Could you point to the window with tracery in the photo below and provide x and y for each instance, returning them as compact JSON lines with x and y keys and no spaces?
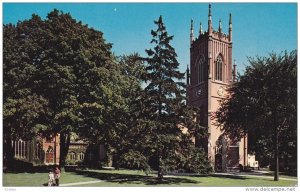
{"x":81,"y":156}
{"x":219,"y":68}
{"x":50,"y":155}
{"x":38,"y":151}
{"x":72,"y":156}
{"x":20,"y":148}
{"x":200,"y":65}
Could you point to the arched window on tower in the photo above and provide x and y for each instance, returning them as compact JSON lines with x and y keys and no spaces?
{"x":199,"y":71}
{"x":200,"y":65}
{"x":218,"y":70}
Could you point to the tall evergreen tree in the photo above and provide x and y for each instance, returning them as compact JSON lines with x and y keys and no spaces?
{"x":165,"y":94}
{"x":154,"y":133}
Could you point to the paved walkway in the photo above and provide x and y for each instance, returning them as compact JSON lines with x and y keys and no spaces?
{"x":256,"y":175}
{"x":80,"y":183}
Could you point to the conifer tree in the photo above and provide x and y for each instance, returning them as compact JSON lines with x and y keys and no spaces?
{"x":156,"y":134}
{"x":165,"y":93}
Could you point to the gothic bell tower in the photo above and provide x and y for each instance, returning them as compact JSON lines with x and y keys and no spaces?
{"x":208,"y":76}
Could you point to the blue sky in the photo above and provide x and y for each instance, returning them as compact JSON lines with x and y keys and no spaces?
{"x":258,"y":28}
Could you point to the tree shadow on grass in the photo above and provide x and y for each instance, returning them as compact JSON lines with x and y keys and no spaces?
{"x":239,"y":177}
{"x":134,"y":179}
{"x":230,"y":176}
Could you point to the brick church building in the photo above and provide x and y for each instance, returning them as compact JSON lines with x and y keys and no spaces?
{"x":46,"y":151}
{"x":208,"y":75}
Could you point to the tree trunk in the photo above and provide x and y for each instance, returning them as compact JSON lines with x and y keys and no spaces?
{"x":64,"y":148}
{"x":8,"y":152}
{"x":276,"y":159}
{"x":8,"y":148}
{"x":160,"y":175}
{"x":159,"y":172}
{"x":116,"y":160}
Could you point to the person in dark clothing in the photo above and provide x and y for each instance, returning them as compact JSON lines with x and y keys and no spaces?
{"x":56,"y":175}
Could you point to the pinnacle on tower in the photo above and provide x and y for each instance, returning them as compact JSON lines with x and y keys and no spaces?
{"x":234,"y":71}
{"x":187,"y":75}
{"x":192,"y":32}
{"x":230,"y":28}
{"x":220,"y":26}
{"x":200,"y":30}
{"x":210,"y":28}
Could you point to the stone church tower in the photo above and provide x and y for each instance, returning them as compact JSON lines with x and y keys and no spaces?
{"x":210,"y":73}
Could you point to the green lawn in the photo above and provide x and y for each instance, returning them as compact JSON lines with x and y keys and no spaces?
{"x":121,"y":178}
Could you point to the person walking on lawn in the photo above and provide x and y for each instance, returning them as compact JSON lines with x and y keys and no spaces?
{"x":56,"y":175}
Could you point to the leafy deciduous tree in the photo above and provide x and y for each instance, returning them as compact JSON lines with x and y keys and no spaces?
{"x":64,"y":66}
{"x":263,"y":104}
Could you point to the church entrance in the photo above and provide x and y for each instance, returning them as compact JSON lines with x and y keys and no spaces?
{"x":218,"y":162}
